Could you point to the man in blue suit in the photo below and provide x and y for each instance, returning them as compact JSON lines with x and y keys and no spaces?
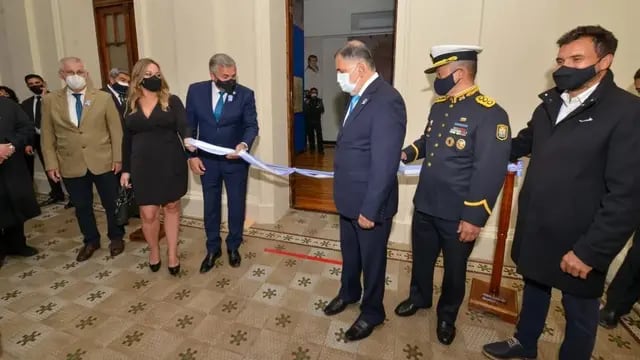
{"x":223,"y":113}
{"x":365,"y":184}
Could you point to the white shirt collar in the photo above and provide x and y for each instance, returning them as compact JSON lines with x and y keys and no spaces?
{"x":367,"y":83}
{"x":71,"y":92}
{"x":581,"y":98}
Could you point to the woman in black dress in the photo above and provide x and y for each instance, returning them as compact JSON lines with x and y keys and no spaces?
{"x":154,"y":162}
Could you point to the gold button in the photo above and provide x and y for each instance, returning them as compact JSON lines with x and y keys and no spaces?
{"x":443,"y":124}
{"x":435,"y":145}
{"x":439,"y":135}
{"x":431,"y":154}
{"x":446,"y":114}
{"x":429,"y":164}
{"x":451,"y":105}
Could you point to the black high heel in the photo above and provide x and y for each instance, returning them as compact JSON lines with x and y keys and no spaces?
{"x":175,"y":270}
{"x":155,"y":267}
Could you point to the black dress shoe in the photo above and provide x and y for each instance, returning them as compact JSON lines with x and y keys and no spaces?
{"x":446,"y":332}
{"x":210,"y":261}
{"x":234,"y":258}
{"x":335,"y":306}
{"x":359,"y":330}
{"x":608,"y":318}
{"x":25,"y":251}
{"x":408,"y":308}
{"x":69,"y":205}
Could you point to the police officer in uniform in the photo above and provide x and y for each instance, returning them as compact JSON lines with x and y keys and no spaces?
{"x":465,"y":148}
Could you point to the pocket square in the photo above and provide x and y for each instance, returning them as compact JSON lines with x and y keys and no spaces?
{"x":585,"y":120}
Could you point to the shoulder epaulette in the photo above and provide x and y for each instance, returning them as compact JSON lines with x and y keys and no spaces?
{"x":485,"y":101}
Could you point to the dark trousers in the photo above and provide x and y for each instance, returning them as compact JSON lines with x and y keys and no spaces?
{"x":314,"y":134}
{"x":56,"y":188}
{"x":624,"y":290}
{"x":81,"y":193}
{"x":12,"y":239}
{"x":581,"y":321}
{"x":364,"y":252}
{"x":234,"y":174}
{"x":430,"y":235}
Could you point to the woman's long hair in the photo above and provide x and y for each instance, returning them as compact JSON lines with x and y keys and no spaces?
{"x":135,"y":89}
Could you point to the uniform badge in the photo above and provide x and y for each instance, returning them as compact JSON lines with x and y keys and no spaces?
{"x":502,"y":132}
{"x":449,"y":141}
{"x":460,"y":144}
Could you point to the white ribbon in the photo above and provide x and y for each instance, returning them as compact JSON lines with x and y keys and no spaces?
{"x":405,"y":170}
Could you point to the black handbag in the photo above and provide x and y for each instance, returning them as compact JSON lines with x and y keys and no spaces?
{"x":124,"y":203}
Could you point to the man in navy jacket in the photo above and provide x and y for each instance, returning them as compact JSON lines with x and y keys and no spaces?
{"x":365,"y":184}
{"x":223,"y":113}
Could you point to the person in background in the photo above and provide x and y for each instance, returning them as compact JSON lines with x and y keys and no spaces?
{"x":8,"y":93}
{"x":365,"y":187}
{"x":17,"y":199}
{"x":313,"y":110}
{"x":466,"y":147}
{"x":154,"y":161}
{"x":117,"y":88}
{"x":312,"y":74}
{"x":624,"y":289}
{"x":580,"y":199}
{"x":81,"y":143}
{"x":33,"y":107}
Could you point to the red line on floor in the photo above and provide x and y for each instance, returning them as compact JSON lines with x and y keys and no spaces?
{"x":303,"y":256}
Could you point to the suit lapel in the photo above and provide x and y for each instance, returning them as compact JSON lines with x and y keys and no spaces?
{"x":209,"y":102}
{"x":64,"y":105}
{"x":87,"y":105}
{"x":362,"y":102}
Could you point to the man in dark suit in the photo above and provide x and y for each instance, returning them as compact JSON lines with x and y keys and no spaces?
{"x":33,"y":107}
{"x":365,"y":184}
{"x":580,"y":199}
{"x":118,"y":87}
{"x":223,"y":113}
{"x":466,"y":147}
{"x":17,"y":200}
{"x":624,"y":289}
{"x":313,"y":109}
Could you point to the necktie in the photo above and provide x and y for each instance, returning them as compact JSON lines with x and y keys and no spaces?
{"x":217,"y":112}
{"x":37,"y":113}
{"x":78,"y":106}
{"x":352,"y":105}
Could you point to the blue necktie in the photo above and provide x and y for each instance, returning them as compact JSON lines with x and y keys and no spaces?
{"x":217,"y":112}
{"x":354,"y":101}
{"x":78,"y":106}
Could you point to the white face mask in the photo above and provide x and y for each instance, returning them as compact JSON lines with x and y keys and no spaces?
{"x":76,"y":82}
{"x":346,"y":85}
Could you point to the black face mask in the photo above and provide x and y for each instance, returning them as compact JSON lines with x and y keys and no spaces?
{"x":568,"y":78}
{"x":36,"y":89}
{"x":444,"y":85}
{"x":227,"y":86}
{"x":153,"y":83}
{"x":121,"y":89}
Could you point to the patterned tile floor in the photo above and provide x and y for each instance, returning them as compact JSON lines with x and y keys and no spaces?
{"x":269,"y":308}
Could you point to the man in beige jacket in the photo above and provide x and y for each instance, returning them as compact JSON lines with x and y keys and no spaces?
{"x":81,"y":143}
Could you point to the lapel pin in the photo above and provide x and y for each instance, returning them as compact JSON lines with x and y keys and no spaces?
{"x":87,"y":103}
{"x":365,"y":101}
{"x":230,"y":97}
